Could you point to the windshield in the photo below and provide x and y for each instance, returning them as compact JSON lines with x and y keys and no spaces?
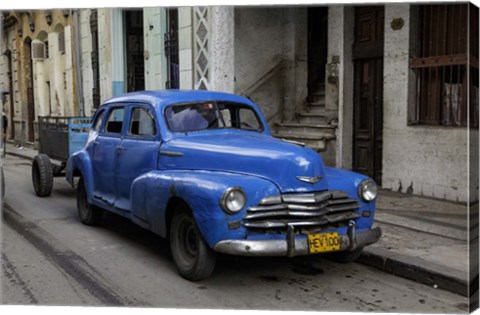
{"x":211,"y":115}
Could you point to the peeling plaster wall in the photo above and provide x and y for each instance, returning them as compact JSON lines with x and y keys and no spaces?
{"x":271,"y":58}
{"x":86,"y":59}
{"x":428,"y":161}
{"x":339,"y":95}
{"x":185,"y":48}
{"x":105,"y":52}
{"x":222,"y":49}
{"x":9,"y":43}
{"x":69,"y":73}
{"x":154,"y":25}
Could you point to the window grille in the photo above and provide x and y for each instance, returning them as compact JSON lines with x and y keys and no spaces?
{"x":445,"y":68}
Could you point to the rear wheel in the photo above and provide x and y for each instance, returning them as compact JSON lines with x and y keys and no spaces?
{"x":88,"y":213}
{"x":42,"y":175}
{"x":194,"y":259}
{"x":345,"y":256}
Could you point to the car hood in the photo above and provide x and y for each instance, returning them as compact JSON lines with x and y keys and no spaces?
{"x":248,"y":153}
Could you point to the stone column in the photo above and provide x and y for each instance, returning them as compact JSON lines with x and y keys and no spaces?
{"x":213,"y":53}
{"x":154,"y":27}
{"x":185,"y":47}
{"x":222,"y":50}
{"x":339,"y":80}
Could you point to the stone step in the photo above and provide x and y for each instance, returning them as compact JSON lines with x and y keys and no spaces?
{"x":317,"y":98}
{"x":304,"y":113}
{"x":305,"y":128}
{"x":299,"y":137}
{"x":314,"y":144}
{"x":306,"y":125}
{"x":320,"y":110}
{"x":313,"y":117}
{"x":317,"y":103}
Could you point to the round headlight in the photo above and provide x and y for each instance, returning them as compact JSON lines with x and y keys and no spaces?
{"x":368,"y":190}
{"x":233,"y":200}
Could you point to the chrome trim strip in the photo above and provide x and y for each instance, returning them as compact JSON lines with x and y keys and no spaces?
{"x":310,"y":180}
{"x":171,"y":153}
{"x":300,"y":245}
{"x":271,"y":200}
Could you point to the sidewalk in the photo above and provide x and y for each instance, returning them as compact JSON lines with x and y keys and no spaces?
{"x":423,"y":239}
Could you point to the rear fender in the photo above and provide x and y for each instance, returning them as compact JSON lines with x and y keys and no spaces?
{"x":79,"y":163}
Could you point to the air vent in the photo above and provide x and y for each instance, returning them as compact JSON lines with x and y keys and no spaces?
{"x":38,"y":51}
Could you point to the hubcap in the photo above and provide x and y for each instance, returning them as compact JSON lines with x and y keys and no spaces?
{"x":188,"y":239}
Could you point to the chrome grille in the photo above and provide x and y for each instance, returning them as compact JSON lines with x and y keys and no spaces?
{"x":302,"y":210}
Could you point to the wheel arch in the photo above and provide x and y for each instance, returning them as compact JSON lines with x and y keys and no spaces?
{"x":79,"y":165}
{"x":173,"y":203}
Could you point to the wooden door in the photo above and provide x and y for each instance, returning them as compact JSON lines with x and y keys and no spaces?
{"x":368,"y":91}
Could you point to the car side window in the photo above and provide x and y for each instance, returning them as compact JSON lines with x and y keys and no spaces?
{"x":227,"y":117}
{"x":248,"y":119}
{"x":98,"y":121}
{"x":115,"y":120}
{"x":142,"y":123}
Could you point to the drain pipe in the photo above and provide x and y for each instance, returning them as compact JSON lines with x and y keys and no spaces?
{"x":81,"y":104}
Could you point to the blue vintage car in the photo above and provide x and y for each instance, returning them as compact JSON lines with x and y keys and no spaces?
{"x":202,"y":169}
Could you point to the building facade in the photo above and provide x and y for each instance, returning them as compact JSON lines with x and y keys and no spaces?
{"x":390,"y":91}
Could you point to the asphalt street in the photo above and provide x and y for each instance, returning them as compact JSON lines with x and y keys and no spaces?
{"x":50,"y":258}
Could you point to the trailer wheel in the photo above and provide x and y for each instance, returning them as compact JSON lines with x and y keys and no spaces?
{"x":42,"y":175}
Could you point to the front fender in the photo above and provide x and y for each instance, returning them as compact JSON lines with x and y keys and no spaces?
{"x":202,"y":191}
{"x":79,"y":162}
{"x":348,"y":181}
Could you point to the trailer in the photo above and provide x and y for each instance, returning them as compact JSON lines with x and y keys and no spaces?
{"x":59,"y":138}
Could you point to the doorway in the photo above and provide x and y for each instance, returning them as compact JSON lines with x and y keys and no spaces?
{"x":135,"y":64}
{"x":317,"y":48}
{"x":368,"y":91}
{"x":171,"y":50}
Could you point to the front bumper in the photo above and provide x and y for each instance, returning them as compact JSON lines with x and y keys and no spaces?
{"x":292,"y":246}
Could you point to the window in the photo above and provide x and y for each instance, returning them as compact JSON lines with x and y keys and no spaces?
{"x":211,"y":115}
{"x":46,"y":52}
{"x":98,"y":121}
{"x":142,"y":123}
{"x":248,"y":119}
{"x":115,"y":121}
{"x":61,"y":42}
{"x":444,"y":67}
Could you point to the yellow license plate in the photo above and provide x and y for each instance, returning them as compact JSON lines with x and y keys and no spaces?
{"x":325,"y":242}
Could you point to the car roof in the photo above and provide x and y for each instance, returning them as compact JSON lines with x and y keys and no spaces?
{"x":162,"y":98}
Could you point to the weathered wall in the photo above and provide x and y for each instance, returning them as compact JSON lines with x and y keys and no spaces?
{"x":106,"y":43}
{"x":339,"y":89}
{"x":428,"y":161}
{"x":185,"y":48}
{"x":154,"y":26}
{"x":222,"y":49}
{"x":270,"y":58}
{"x":86,"y":59}
{"x":56,"y":69}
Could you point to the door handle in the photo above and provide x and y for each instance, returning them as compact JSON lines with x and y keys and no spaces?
{"x":120,"y":149}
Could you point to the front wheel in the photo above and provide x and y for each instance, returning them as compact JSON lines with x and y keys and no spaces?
{"x":194,"y":259}
{"x":88,"y":213}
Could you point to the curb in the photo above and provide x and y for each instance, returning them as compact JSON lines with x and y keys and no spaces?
{"x":416,"y":269}
{"x":21,"y":155}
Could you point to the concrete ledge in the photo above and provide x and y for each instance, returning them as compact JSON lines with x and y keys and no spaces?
{"x":416,"y":269}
